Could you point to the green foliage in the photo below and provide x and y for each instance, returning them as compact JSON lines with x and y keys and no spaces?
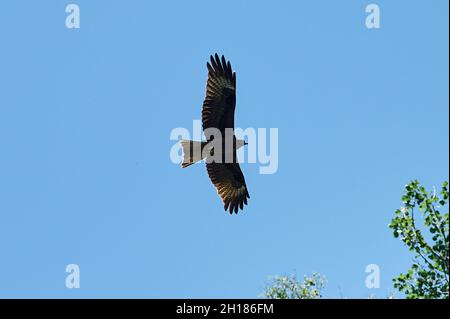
{"x":287,"y":287}
{"x":428,"y":277}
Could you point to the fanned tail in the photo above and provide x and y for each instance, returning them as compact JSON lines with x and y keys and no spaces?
{"x":192,"y":152}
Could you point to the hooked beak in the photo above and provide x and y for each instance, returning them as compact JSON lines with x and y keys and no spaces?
{"x":245,"y":143}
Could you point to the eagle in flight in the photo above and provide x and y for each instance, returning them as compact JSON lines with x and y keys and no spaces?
{"x":218,"y":121}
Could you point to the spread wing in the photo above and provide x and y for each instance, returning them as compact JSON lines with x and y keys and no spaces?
{"x":218,"y":112}
{"x":220,"y":100}
{"x":230,"y":184}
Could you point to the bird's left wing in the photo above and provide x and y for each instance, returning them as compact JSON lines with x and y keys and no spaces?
{"x":220,"y":101}
{"x":230,"y":184}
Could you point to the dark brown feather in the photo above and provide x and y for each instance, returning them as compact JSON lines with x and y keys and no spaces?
{"x":230,"y":184}
{"x":220,"y":101}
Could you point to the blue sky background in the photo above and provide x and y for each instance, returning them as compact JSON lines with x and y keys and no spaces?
{"x":85,"y":118}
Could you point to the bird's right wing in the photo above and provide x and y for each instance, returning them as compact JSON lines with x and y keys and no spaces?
{"x":230,"y":184}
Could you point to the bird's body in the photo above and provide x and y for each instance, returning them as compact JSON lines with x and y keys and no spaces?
{"x":219,"y":151}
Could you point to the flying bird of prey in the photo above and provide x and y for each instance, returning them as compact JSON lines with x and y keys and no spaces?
{"x":220,"y":154}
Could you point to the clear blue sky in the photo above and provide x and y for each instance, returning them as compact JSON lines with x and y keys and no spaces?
{"x":85,"y":118}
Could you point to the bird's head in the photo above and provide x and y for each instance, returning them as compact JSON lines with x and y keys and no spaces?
{"x":240,"y":143}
